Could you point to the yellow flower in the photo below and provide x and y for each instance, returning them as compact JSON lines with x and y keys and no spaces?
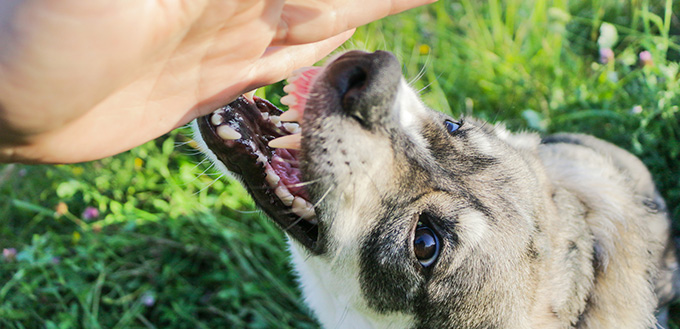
{"x":138,"y":163}
{"x":424,"y":49}
{"x":77,"y":171}
{"x":75,"y":238}
{"x":60,"y":209}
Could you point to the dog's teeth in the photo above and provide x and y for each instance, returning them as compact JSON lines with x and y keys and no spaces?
{"x":289,"y":88}
{"x":289,"y":100}
{"x":249,"y":95}
{"x":284,"y":195}
{"x":286,"y":142}
{"x":219,"y":110}
{"x":275,"y":119}
{"x":265,"y":115}
{"x":216,"y":119}
{"x":290,"y":115}
{"x":261,"y":159}
{"x":298,"y":73}
{"x":291,"y":80}
{"x":303,"y":208}
{"x":292,"y":127}
{"x":227,"y":133}
{"x":272,"y":178}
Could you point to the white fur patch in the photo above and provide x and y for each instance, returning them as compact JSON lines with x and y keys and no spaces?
{"x":331,"y":288}
{"x":411,"y":112}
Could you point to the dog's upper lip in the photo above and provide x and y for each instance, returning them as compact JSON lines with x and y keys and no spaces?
{"x":271,"y":175}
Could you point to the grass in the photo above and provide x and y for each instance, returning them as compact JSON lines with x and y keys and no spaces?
{"x":175,"y":246}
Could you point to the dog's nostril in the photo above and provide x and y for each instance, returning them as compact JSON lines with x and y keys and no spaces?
{"x":364,"y":84}
{"x":356,"y":79}
{"x":354,"y":87}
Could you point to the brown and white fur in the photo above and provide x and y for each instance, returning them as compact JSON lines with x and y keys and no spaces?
{"x":566,"y":231}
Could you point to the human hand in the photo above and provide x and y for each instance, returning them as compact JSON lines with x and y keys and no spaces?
{"x":82,"y":80}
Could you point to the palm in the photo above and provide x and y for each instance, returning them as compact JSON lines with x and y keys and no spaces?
{"x":105,"y":76}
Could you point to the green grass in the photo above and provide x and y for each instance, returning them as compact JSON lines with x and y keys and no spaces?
{"x":173,"y":247}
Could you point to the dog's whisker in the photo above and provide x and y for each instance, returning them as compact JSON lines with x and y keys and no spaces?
{"x":421,"y":73}
{"x":420,"y":91}
{"x":323,"y":197}
{"x":254,"y":211}
{"x":207,"y":186}
{"x":307,"y":183}
{"x":342,"y":317}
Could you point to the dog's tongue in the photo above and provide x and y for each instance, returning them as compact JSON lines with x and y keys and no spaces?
{"x":298,"y":88}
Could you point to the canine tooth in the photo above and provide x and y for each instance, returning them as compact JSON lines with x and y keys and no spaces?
{"x":275,"y":119}
{"x":265,"y":115}
{"x":261,"y":158}
{"x":286,"y":142}
{"x":284,"y":195}
{"x":272,"y":178}
{"x":289,"y":100}
{"x":249,"y":95}
{"x":228,"y":133}
{"x":291,"y":127}
{"x":290,"y":115}
{"x":216,"y":119}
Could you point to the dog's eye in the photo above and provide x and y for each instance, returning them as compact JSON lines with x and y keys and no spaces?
{"x":451,"y":126}
{"x":425,"y":245}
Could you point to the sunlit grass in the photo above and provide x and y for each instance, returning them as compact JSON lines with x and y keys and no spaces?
{"x":173,"y":245}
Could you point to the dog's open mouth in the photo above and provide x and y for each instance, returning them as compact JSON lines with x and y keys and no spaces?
{"x":254,"y":140}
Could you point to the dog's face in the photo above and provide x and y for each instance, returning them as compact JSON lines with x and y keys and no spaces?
{"x":435,"y":214}
{"x":419,"y":219}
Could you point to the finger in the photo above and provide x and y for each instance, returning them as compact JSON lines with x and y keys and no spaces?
{"x":279,"y":62}
{"x":276,"y":64}
{"x":304,"y":21}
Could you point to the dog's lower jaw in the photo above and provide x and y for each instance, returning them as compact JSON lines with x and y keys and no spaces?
{"x":332,"y":293}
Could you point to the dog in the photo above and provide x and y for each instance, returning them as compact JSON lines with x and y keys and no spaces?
{"x":400,"y":216}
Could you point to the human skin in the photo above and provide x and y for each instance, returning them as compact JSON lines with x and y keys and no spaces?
{"x":82,"y":80}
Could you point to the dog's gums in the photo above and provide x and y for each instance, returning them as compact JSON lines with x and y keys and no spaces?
{"x":259,"y":142}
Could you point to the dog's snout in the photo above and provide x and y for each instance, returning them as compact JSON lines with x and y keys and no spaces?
{"x":366,"y":83}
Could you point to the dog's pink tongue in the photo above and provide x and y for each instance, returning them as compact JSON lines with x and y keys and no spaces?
{"x":298,"y":88}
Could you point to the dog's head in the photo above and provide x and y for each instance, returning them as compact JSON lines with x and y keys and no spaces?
{"x":399,"y":214}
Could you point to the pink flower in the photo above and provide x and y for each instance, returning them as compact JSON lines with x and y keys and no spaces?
{"x":646,"y":58}
{"x":148,"y":299}
{"x":606,"y":55}
{"x":10,"y":254}
{"x":90,"y":213}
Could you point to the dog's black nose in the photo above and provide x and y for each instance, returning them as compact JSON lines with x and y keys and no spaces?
{"x":366,"y":83}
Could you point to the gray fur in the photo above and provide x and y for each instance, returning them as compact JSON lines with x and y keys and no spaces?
{"x":570,"y":241}
{"x":562,"y":232}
